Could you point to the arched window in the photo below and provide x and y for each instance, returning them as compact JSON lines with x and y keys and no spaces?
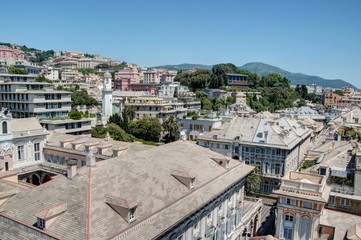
{"x":5,"y":127}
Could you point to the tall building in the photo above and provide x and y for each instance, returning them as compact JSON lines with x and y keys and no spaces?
{"x":25,"y":97}
{"x":107,"y":97}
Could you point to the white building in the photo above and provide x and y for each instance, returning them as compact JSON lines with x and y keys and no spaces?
{"x":107,"y":97}
{"x":52,"y":74}
{"x":26,"y":98}
{"x":151,"y":76}
{"x":21,"y":142}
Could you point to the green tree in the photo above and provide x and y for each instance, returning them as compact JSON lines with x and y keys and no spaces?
{"x":196,"y":80}
{"x":253,"y":183}
{"x":98,"y":132}
{"x":75,"y":115}
{"x":148,"y":129}
{"x":339,"y":92}
{"x":115,"y":118}
{"x":118,"y":134}
{"x":219,"y":74}
{"x":130,"y":112}
{"x":170,"y":125}
{"x":14,"y":70}
{"x":42,"y":78}
{"x":206,"y":104}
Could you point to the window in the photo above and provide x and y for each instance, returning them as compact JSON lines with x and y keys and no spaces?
{"x":344,"y":202}
{"x":41,"y":223}
{"x":5,"y":127}
{"x":307,"y":205}
{"x":21,"y":155}
{"x":37,"y":151}
{"x":287,"y":233}
{"x":225,"y":146}
{"x":277,"y":169}
{"x":218,"y":145}
{"x":132,"y":215}
{"x":331,"y":200}
{"x":191,"y":185}
{"x":289,"y":218}
{"x":288,"y":201}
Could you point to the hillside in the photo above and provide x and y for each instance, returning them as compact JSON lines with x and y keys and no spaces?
{"x":185,"y":66}
{"x":296,"y":78}
{"x":265,"y":69}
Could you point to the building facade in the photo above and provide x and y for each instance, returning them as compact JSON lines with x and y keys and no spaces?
{"x":21,"y":142}
{"x":301,"y":200}
{"x":154,"y":107}
{"x":33,"y":99}
{"x":237,"y":80}
{"x":275,"y":146}
{"x":157,"y":206}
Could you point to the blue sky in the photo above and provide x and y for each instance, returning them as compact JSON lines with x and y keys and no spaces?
{"x":313,"y":37}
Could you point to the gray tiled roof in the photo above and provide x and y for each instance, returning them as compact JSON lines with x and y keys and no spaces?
{"x":143,"y":177}
{"x":281,"y":132}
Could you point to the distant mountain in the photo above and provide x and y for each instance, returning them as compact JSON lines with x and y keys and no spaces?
{"x":296,"y":78}
{"x":185,"y":66}
{"x":265,"y":69}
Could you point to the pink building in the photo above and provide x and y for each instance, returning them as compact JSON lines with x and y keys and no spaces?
{"x":11,"y":53}
{"x":127,"y":85}
{"x":131,"y":74}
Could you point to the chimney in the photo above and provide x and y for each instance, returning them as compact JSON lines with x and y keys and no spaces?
{"x":90,"y":159}
{"x":72,"y":165}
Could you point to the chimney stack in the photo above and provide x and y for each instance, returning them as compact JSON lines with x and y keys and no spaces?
{"x":72,"y":165}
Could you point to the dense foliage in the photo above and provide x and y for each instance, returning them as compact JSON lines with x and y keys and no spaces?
{"x":42,"y":78}
{"x":253,"y":183}
{"x":274,"y":90}
{"x":196,"y":80}
{"x":14,"y":70}
{"x":79,"y":96}
{"x":75,"y":115}
{"x":148,"y":129}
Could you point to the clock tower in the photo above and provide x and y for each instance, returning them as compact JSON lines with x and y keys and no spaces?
{"x":6,"y":138}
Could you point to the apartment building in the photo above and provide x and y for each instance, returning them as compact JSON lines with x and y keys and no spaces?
{"x":11,"y":53}
{"x":275,"y":146}
{"x":27,"y":98}
{"x":155,"y":107}
{"x":194,"y":127}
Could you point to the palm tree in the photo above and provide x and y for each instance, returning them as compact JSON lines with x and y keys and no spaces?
{"x":171,"y":126}
{"x":129,"y":110}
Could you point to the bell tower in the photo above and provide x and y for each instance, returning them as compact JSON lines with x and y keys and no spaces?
{"x":107,"y":97}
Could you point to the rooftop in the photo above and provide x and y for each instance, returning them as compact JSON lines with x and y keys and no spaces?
{"x":143,"y":178}
{"x":284,"y":133}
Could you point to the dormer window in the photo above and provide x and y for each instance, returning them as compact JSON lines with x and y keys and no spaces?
{"x":192,"y":183}
{"x":41,"y":223}
{"x":124,"y":207}
{"x":47,"y":216}
{"x":186,"y":178}
{"x":132,"y":215}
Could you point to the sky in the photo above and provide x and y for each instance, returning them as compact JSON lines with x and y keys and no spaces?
{"x":321,"y":38}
